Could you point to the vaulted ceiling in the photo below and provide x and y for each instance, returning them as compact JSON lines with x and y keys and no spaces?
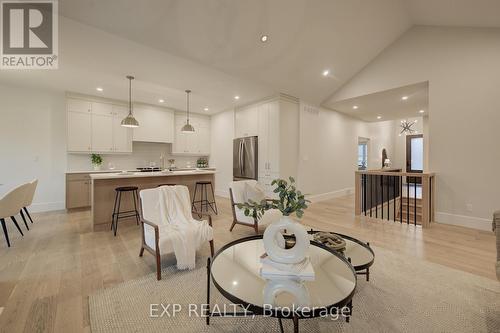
{"x":213,"y":46}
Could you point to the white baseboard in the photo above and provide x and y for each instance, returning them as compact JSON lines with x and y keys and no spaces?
{"x":463,"y":221}
{"x":330,"y":195}
{"x":46,"y":206}
{"x":222,"y":193}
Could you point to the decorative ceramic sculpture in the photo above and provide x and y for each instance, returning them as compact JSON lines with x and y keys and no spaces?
{"x":295,"y":288}
{"x":274,"y":242}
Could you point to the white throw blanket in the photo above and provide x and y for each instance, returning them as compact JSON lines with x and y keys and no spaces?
{"x":186,"y":233}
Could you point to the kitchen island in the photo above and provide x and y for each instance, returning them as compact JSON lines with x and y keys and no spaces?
{"x":103,"y":190}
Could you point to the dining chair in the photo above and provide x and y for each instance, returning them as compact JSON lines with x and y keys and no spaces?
{"x":10,"y":204}
{"x":28,"y":200}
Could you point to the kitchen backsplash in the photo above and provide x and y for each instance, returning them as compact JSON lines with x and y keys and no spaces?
{"x":143,"y":154}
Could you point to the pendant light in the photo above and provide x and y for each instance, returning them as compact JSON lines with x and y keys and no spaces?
{"x":129,"y":120}
{"x":188,"y":128}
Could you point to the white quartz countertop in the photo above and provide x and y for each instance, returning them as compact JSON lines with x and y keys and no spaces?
{"x":117,"y":175}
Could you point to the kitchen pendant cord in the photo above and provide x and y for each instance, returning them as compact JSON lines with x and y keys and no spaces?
{"x":187,"y":107}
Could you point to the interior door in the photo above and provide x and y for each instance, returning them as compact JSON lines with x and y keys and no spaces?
{"x":414,"y":156}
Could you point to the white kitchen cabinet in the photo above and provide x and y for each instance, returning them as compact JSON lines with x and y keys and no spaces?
{"x":96,"y":127}
{"x":246,"y":122}
{"x":122,"y":136}
{"x":269,"y":139}
{"x":104,"y":109}
{"x":155,"y":125}
{"x":79,"y":132}
{"x":102,"y":133}
{"x":78,"y":105}
{"x":197,"y":143}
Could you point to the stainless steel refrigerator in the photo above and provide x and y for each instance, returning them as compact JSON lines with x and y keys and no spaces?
{"x":245,"y":158}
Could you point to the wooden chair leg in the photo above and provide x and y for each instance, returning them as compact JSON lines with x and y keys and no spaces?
{"x":212,"y":247}
{"x":232,"y":226}
{"x":158,"y":267}
{"x":256,"y":227}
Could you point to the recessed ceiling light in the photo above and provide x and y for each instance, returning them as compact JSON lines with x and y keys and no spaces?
{"x":99,"y":89}
{"x":326,"y":72}
{"x":264,"y":38}
{"x":379,"y":117}
{"x":236,"y":97}
{"x":161,"y":100}
{"x":421,"y":111}
{"x":404,"y":98}
{"x":205,"y":109}
{"x":355,"y":107}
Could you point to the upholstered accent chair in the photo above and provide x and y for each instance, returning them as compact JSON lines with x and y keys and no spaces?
{"x":240,"y":192}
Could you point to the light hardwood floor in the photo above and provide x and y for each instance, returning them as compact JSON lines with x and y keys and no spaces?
{"x":46,"y":276}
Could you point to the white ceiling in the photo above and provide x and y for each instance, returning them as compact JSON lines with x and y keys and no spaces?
{"x":213,"y":46}
{"x":388,"y":104}
{"x":460,"y":13}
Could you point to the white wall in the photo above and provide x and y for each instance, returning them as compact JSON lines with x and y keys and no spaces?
{"x":463,"y":69}
{"x":222,"y":134}
{"x":328,"y":150}
{"x":33,"y":143}
{"x":142,"y":154}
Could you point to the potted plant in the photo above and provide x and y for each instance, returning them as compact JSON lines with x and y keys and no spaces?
{"x":96,"y":161}
{"x":290,"y":201}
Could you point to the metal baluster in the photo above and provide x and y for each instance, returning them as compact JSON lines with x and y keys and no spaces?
{"x":407,"y":200}
{"x":415,"y":201}
{"x":388,"y":197}
{"x":376,"y":196}
{"x":394,"y":198}
{"x":382,"y":189}
{"x":364,"y":193}
{"x":430,"y":198}
{"x":371,"y":195}
{"x":401,"y":199}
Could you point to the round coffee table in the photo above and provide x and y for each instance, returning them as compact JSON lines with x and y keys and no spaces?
{"x":235,"y":272}
{"x":359,"y":254}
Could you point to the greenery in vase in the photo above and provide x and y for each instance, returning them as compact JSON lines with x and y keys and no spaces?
{"x":290,"y":201}
{"x":96,"y":159}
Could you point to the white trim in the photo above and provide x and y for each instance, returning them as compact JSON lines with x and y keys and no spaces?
{"x":473,"y":222}
{"x":222,"y":193}
{"x":330,"y":195}
{"x":46,"y":206}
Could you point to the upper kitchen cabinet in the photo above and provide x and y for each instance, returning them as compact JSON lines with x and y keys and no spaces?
{"x":122,"y":136}
{"x":155,"y":124}
{"x":194,"y":144}
{"x":246,"y":122}
{"x":79,"y":132}
{"x":95,"y":127}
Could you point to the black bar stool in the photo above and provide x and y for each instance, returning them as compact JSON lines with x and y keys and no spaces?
{"x":204,"y":197}
{"x":116,"y":209}
{"x":165,"y":185}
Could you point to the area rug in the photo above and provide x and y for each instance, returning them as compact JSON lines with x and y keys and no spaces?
{"x":404,"y":294}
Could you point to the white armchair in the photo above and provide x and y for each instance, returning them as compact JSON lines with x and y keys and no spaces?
{"x":156,"y":238}
{"x":241,"y":192}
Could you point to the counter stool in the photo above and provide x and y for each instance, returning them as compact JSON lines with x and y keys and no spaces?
{"x":204,"y":197}
{"x":165,"y":185}
{"x":116,"y":209}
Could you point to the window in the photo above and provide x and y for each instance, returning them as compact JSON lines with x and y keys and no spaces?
{"x":362,"y":156}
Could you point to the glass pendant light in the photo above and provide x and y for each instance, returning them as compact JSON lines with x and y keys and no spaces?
{"x":187,"y":128}
{"x":129,"y":120}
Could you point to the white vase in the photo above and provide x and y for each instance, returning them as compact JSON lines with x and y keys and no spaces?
{"x":97,"y":167}
{"x":274,"y":241}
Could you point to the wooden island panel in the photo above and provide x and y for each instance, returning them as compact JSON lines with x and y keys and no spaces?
{"x":103,"y":194}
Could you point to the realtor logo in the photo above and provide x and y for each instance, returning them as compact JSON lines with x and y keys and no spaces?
{"x":29,"y":37}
